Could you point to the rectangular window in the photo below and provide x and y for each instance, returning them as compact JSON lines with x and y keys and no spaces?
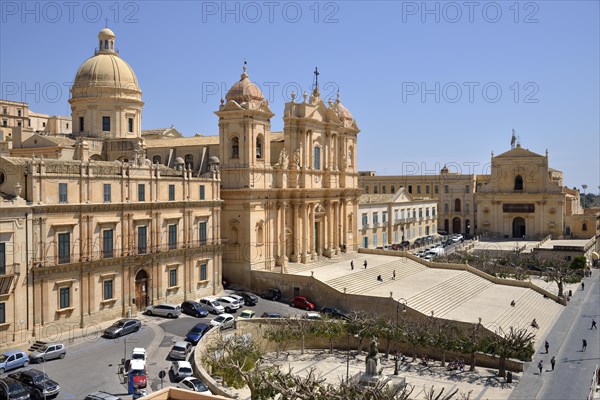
{"x":420,"y":213}
{"x":375,"y":240}
{"x":64,"y":248}
{"x":446,"y":189}
{"x":172,"y":237}
{"x":445,"y":207}
{"x":384,"y":237}
{"x":202,"y":192}
{"x":203,"y":272}
{"x":19,"y":123}
{"x":427,"y":212}
{"x":106,"y":124}
{"x":142,"y":245}
{"x":409,"y":188}
{"x":375,"y":189}
{"x":141,"y":192}
{"x":317,"y":157}
{"x":402,"y":214}
{"x":173,"y":277}
{"x":18,"y":113}
{"x":5,"y":123}
{"x":393,"y":189}
{"x":202,"y":231}
{"x":81,"y":124}
{"x":436,"y":189}
{"x":433,"y":211}
{"x":395,"y":236}
{"x":65,"y":297}
{"x":2,"y":313}
{"x":467,"y":207}
{"x":383,"y":189}
{"x":171,"y":192}
{"x":365,"y":242}
{"x":375,"y":218}
{"x":107,"y":243}
{"x":366,"y":189}
{"x":384,"y":217}
{"x":2,"y":258}
{"x":107,"y":193}
{"x":62,"y":193}
{"x":130,"y":125}
{"x":108,"y":289}
{"x":365,"y":219}
{"x":427,"y":189}
{"x":466,"y":188}
{"x":418,"y":189}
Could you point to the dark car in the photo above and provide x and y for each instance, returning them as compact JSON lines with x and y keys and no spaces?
{"x":12,"y":389}
{"x":194,"y":309}
{"x":250,"y":299}
{"x":303,"y":303}
{"x":123,"y":327}
{"x":37,"y":383}
{"x":334,"y":312}
{"x":271,"y":315}
{"x":271,"y":294}
{"x":196,"y":333}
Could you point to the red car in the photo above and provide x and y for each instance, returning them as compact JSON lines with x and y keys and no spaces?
{"x":302,"y":302}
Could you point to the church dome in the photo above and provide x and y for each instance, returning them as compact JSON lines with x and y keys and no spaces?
{"x":106,"y":68}
{"x":244,"y":91}
{"x":342,"y":112}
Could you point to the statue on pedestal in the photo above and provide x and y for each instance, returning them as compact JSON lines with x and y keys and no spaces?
{"x":372,"y":360}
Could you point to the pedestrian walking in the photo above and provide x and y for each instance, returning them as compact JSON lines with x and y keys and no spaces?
{"x":582,"y":285}
{"x":547,"y":346}
{"x":379,"y":278}
{"x":541,"y":366}
{"x":352,"y":265}
{"x":365,"y":264}
{"x":594,"y":324}
{"x":553,"y":362}
{"x":583,"y":344}
{"x":394,"y":275}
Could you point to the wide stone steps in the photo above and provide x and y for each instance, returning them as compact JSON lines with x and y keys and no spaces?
{"x":529,"y":306}
{"x":296,"y":267}
{"x":449,"y":295}
{"x":363,"y":280}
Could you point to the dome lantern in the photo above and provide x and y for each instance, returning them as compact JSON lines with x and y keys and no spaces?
{"x":106,"y":42}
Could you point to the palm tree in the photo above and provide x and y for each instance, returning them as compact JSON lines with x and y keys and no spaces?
{"x":584,"y":186}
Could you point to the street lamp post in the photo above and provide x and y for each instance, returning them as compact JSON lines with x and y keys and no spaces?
{"x":348,"y":359}
{"x":404,"y":302}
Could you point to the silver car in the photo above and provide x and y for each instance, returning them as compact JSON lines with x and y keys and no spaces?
{"x":180,"y":350}
{"x":164,"y":310}
{"x":47,"y":351}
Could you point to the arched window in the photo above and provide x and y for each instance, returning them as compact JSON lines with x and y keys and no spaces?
{"x":350,"y":156}
{"x":259,"y":147}
{"x":260,"y":239}
{"x":189,"y":161}
{"x":457,"y":205}
{"x":100,"y":45}
{"x":112,"y":45}
{"x":156,"y":159}
{"x":106,"y":44}
{"x":317,"y":158}
{"x":584,"y":227}
{"x":235,"y":147}
{"x":518,"y":182}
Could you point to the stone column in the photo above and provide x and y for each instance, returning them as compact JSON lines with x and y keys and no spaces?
{"x":296,"y":233}
{"x":284,"y":258}
{"x":344,"y":223}
{"x":311,"y":230}
{"x":304,"y":216}
{"x":327,"y":221}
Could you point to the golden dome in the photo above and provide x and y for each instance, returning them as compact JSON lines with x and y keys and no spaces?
{"x":106,"y":33}
{"x":244,"y":90}
{"x":106,"y":70}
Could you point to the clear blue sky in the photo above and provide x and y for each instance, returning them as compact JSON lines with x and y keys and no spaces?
{"x":390,"y":60}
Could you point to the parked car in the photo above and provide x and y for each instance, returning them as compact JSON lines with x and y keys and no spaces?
{"x":13,"y":359}
{"x":247,"y":314}
{"x":229,"y":304}
{"x":250,"y":299}
{"x":195,"y":385}
{"x":195,"y":334}
{"x":211,"y":305}
{"x":180,"y":350}
{"x":405,"y":243}
{"x":11,"y":389}
{"x":311,"y":315}
{"x":164,"y":310}
{"x":271,"y":315}
{"x":137,"y":369}
{"x":271,"y":294}
{"x":123,"y":327}
{"x":194,"y":309}
{"x":240,"y":300}
{"x":333,"y":312}
{"x":37,"y":383}
{"x":303,"y":303}
{"x":47,"y":351}
{"x":101,"y":396}
{"x":181,"y":369}
{"x":139,"y":353}
{"x":223,"y":321}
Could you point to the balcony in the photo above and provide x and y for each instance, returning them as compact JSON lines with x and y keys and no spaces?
{"x":366,"y":226}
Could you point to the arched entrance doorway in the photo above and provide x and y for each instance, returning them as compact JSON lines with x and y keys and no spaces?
{"x":456,"y":225}
{"x":141,"y":289}
{"x":447,"y":225}
{"x":318,"y":234}
{"x":518,"y":227}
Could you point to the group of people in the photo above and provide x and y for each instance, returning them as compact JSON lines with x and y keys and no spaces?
{"x":456,"y":364}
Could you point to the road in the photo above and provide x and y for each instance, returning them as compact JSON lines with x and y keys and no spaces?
{"x":572,"y":376}
{"x":91,"y":363}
